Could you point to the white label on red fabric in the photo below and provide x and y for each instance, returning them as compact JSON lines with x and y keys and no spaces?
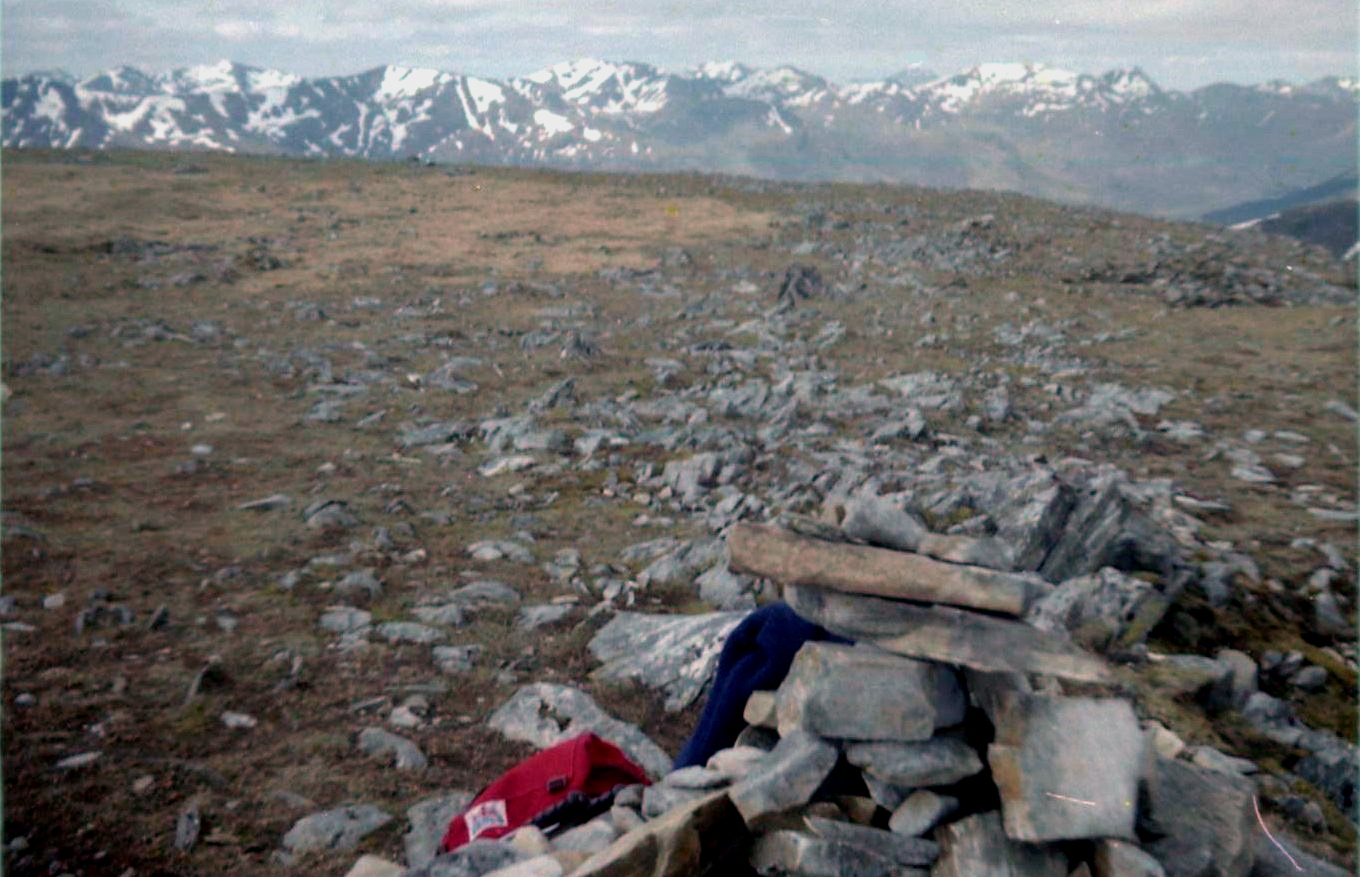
{"x":484,"y":817}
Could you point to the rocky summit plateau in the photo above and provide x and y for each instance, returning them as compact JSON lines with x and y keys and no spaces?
{"x":334,"y":489}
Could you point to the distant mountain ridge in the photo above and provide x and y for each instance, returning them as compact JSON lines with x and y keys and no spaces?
{"x":1115,"y":139}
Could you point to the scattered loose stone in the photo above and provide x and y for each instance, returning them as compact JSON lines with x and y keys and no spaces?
{"x":408,"y":632}
{"x":75,"y":762}
{"x":267,"y":504}
{"x":238,"y":721}
{"x":383,"y":744}
{"x":187,"y":826}
{"x":337,"y":830}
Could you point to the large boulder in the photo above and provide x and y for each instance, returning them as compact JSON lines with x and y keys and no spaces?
{"x":675,"y":654}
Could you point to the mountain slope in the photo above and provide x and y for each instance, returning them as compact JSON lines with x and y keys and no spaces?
{"x":1116,"y":138}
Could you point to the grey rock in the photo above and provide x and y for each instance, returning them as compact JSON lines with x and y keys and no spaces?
{"x":879,"y":521}
{"x":1271,"y":862}
{"x":447,"y":377}
{"x":1203,"y":821}
{"x":1066,"y":767}
{"x":676,"y":654}
{"x":359,"y":582}
{"x":977,"y":847}
{"x":920,"y":812}
{"x":436,"y":433}
{"x":757,"y":738}
{"x":476,"y":859}
{"x":1208,"y":756}
{"x":267,"y":504}
{"x":885,"y":794}
{"x":1106,"y":529}
{"x":428,"y":820}
{"x":785,"y":779}
{"x":1241,"y":681}
{"x":497,"y":549}
{"x":723,"y":589}
{"x":1115,"y":858}
{"x":482,"y":594}
{"x":896,"y":848}
{"x":659,"y":799}
{"x":455,"y":660}
{"x":1328,"y":618}
{"x":795,"y":853}
{"x":939,"y":761}
{"x":696,"y":776}
{"x":683,"y":563}
{"x":336,"y":830}
{"x":1310,"y":678}
{"x":761,"y":710}
{"x":543,"y":714}
{"x":1100,"y":610}
{"x":735,"y":762}
{"x":326,"y":514}
{"x":944,"y":634}
{"x":408,"y":632}
{"x":1031,"y":510}
{"x":187,"y":826}
{"x":534,"y":617}
{"x":926,"y":390}
{"x":448,"y":615}
{"x":383,"y":744}
{"x":996,"y":404}
{"x":863,"y":693}
{"x":913,"y":427}
{"x":591,"y":837}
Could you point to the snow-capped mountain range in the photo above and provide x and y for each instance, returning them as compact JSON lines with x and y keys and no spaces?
{"x":1114,"y":138}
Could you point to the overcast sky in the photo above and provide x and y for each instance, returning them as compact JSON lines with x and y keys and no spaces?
{"x":1180,"y":43}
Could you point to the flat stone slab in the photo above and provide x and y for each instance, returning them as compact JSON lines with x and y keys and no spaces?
{"x":542,"y":714}
{"x":977,"y":847}
{"x":864,"y":693}
{"x":791,"y":559}
{"x":676,"y":654}
{"x":946,"y":634}
{"x":935,"y":762}
{"x":1066,"y":767}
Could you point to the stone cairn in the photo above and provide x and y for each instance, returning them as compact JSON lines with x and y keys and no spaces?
{"x":942,"y":742}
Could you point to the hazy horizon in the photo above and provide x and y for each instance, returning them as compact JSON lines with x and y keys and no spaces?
{"x":1180,"y":45}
